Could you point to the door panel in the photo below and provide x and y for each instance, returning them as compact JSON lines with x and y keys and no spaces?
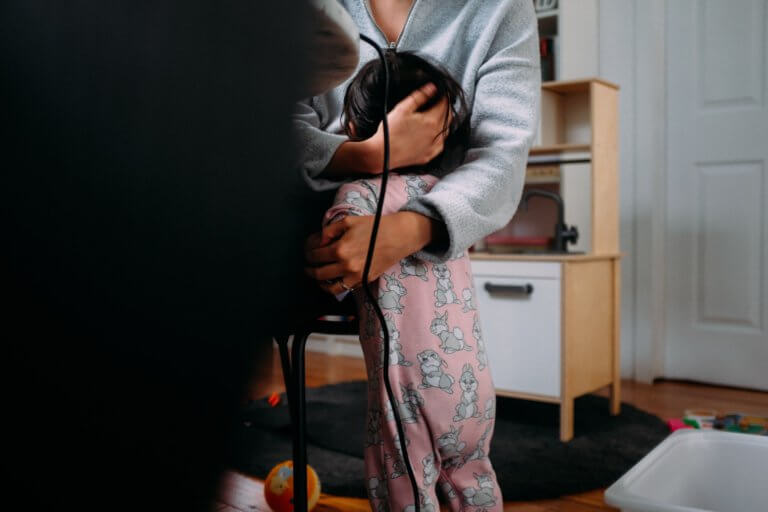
{"x":717,"y":225}
{"x":731,"y":46}
{"x":727,"y":260}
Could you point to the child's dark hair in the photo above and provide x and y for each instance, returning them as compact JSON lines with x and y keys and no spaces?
{"x":363,"y":100}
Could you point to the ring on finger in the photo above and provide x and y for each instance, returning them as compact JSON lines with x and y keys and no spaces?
{"x":346,"y":287}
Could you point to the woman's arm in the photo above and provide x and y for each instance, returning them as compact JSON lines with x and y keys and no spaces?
{"x":482,"y":194}
{"x":339,"y":251}
{"x":315,"y":146}
{"x":415,"y":138}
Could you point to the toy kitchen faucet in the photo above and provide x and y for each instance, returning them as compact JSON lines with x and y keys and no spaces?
{"x":563,"y":233}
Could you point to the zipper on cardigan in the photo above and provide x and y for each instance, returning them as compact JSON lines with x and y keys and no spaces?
{"x":392,"y":45}
{"x":405,"y":25}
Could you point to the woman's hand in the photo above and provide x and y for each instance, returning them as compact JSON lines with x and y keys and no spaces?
{"x":415,"y":138}
{"x":338,"y":252}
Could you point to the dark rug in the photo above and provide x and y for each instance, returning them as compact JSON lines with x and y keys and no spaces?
{"x":529,"y":459}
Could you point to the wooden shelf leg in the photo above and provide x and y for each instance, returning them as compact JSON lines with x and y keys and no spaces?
{"x":615,"y":396}
{"x":616,"y":382}
{"x":566,"y":419}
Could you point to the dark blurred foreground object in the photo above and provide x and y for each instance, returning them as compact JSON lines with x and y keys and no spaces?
{"x":334,"y":46}
{"x":148,"y":245}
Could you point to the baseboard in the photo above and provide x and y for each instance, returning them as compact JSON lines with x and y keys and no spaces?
{"x":335,"y":345}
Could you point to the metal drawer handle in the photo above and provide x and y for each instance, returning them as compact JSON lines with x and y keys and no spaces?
{"x":516,"y":289}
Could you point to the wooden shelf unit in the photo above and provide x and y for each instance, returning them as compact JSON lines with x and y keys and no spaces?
{"x":561,"y":339}
{"x":581,"y":116}
{"x":558,"y":148}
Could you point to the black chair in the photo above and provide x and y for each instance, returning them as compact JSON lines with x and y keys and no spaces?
{"x":294,"y":374}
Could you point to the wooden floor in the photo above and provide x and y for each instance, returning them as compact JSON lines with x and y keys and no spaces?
{"x":241,"y":493}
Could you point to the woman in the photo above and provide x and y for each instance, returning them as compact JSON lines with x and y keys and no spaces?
{"x":491,"y":48}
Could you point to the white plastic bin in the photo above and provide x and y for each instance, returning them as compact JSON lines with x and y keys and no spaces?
{"x":697,"y":471}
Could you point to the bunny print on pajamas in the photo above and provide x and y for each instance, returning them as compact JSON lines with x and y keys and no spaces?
{"x":437,"y":366}
{"x":450,"y":340}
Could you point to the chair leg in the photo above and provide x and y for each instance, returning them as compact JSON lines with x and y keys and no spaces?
{"x":285,"y":362}
{"x":300,"y":425}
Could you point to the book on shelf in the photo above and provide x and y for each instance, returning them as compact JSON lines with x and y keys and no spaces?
{"x":547,"y":52}
{"x":542,"y":174}
{"x":544,"y":5}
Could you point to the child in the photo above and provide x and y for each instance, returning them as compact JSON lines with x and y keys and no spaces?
{"x":439,"y":370}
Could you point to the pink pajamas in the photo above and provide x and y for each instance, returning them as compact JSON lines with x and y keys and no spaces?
{"x":439,"y":372}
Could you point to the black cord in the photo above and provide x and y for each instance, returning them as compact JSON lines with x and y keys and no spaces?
{"x":366,"y":285}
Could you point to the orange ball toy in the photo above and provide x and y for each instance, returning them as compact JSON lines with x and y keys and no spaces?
{"x":278,"y":488}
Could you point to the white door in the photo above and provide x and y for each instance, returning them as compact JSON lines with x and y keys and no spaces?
{"x":717,"y":195}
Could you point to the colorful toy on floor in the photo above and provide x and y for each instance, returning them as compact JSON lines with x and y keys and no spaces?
{"x":691,"y":423}
{"x":710,"y":419}
{"x":676,"y":424}
{"x":278,"y":487}
{"x":273,"y":399}
{"x":753,"y":423}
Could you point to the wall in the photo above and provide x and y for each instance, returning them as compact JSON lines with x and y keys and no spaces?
{"x":631,"y":49}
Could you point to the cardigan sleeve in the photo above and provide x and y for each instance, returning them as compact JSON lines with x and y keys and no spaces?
{"x":315,"y":146}
{"x":482,"y":194}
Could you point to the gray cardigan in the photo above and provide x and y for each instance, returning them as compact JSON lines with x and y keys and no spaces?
{"x":491,"y":48}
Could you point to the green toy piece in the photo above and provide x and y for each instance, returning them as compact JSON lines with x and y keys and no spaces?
{"x":692,"y":423}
